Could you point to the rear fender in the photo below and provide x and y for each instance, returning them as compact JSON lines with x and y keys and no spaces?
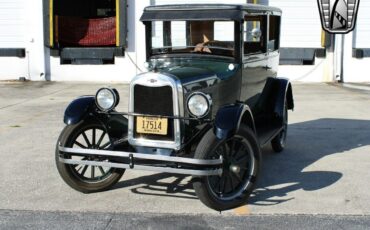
{"x":229,"y":118}
{"x":284,"y":96}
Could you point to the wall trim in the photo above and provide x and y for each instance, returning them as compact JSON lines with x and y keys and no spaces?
{"x":300,"y":56}
{"x":360,"y":53}
{"x":84,"y":55}
{"x":13,"y":52}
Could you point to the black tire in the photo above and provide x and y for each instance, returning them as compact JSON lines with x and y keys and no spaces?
{"x":279,"y":142}
{"x":241,"y":165}
{"x":74,"y":175}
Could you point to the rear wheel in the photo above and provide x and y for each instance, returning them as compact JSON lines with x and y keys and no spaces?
{"x":86,"y":178}
{"x":241,"y":155}
{"x":279,"y":142}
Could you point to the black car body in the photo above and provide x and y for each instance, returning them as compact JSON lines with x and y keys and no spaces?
{"x":208,"y":103}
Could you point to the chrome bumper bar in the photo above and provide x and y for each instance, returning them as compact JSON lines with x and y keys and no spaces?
{"x":140,"y":156}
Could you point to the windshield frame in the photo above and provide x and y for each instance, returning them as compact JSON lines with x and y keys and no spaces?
{"x":237,"y":41}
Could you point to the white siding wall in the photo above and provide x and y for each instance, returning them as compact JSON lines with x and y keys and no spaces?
{"x":301,"y":25}
{"x":355,"y":70}
{"x":363,"y":26}
{"x":12,"y":24}
{"x":13,"y":35}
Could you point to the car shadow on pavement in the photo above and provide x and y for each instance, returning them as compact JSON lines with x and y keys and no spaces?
{"x":281,"y":173}
{"x":161,"y":184}
{"x":307,"y":143}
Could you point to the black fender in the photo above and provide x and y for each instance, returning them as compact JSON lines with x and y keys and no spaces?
{"x":284,"y":96}
{"x":78,"y":109}
{"x":229,"y":118}
{"x":84,"y":108}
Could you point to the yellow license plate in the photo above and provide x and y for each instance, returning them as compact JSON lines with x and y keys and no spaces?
{"x":151,"y":125}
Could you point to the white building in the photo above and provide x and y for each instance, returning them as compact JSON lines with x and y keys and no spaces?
{"x":25,"y":35}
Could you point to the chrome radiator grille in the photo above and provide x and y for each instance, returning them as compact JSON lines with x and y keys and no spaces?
{"x":154,"y":101}
{"x":156,"y":94}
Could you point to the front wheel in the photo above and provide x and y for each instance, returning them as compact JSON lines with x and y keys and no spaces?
{"x":85,"y":178}
{"x":241,"y":161}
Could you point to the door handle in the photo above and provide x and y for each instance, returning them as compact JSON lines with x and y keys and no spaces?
{"x":267,"y":67}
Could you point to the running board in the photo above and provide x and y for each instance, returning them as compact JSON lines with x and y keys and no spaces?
{"x":132,"y":156}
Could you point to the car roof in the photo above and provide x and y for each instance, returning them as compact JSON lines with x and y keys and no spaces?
{"x":204,"y":11}
{"x":243,"y":7}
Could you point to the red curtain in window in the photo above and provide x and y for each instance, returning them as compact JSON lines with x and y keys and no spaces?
{"x":72,"y":31}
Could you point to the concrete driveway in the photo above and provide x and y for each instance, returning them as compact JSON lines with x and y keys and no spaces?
{"x":324,"y":170}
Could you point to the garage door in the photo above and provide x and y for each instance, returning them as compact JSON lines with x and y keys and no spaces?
{"x":12,"y":24}
{"x":300,"y":32}
{"x":363,"y":26}
{"x":301,"y":26}
{"x":13,"y":39}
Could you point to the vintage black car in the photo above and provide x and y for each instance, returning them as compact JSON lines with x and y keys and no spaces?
{"x":208,"y":103}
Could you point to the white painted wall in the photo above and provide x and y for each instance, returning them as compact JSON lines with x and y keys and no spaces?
{"x":37,"y":52}
{"x":12,"y":68}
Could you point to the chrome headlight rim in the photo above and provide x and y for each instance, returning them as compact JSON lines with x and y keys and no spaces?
{"x":207,"y":98}
{"x":115,"y":96}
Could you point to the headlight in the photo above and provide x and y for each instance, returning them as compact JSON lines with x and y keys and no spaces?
{"x":107,"y":99}
{"x":199,"y":104}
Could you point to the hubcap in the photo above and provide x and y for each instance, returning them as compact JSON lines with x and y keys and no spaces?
{"x":235,"y":169}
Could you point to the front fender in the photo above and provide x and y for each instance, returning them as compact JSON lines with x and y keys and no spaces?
{"x":77,"y":109}
{"x":85,"y":108}
{"x":228,"y":120}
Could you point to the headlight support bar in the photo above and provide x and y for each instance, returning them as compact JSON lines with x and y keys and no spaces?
{"x":207,"y":120}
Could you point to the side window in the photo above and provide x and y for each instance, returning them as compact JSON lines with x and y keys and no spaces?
{"x":254,"y":35}
{"x":274,"y":33}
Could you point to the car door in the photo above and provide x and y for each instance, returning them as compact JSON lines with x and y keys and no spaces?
{"x":273,"y":44}
{"x":255,"y":60}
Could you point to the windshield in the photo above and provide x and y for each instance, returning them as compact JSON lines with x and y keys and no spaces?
{"x":203,"y":37}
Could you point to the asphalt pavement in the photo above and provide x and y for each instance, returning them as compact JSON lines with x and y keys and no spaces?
{"x":109,"y":221}
{"x":321,"y":179}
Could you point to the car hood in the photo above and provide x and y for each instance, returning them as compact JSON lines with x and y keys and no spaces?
{"x":187,"y":74}
{"x":199,"y":72}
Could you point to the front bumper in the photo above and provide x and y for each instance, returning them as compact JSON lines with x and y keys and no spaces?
{"x":139,"y":161}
